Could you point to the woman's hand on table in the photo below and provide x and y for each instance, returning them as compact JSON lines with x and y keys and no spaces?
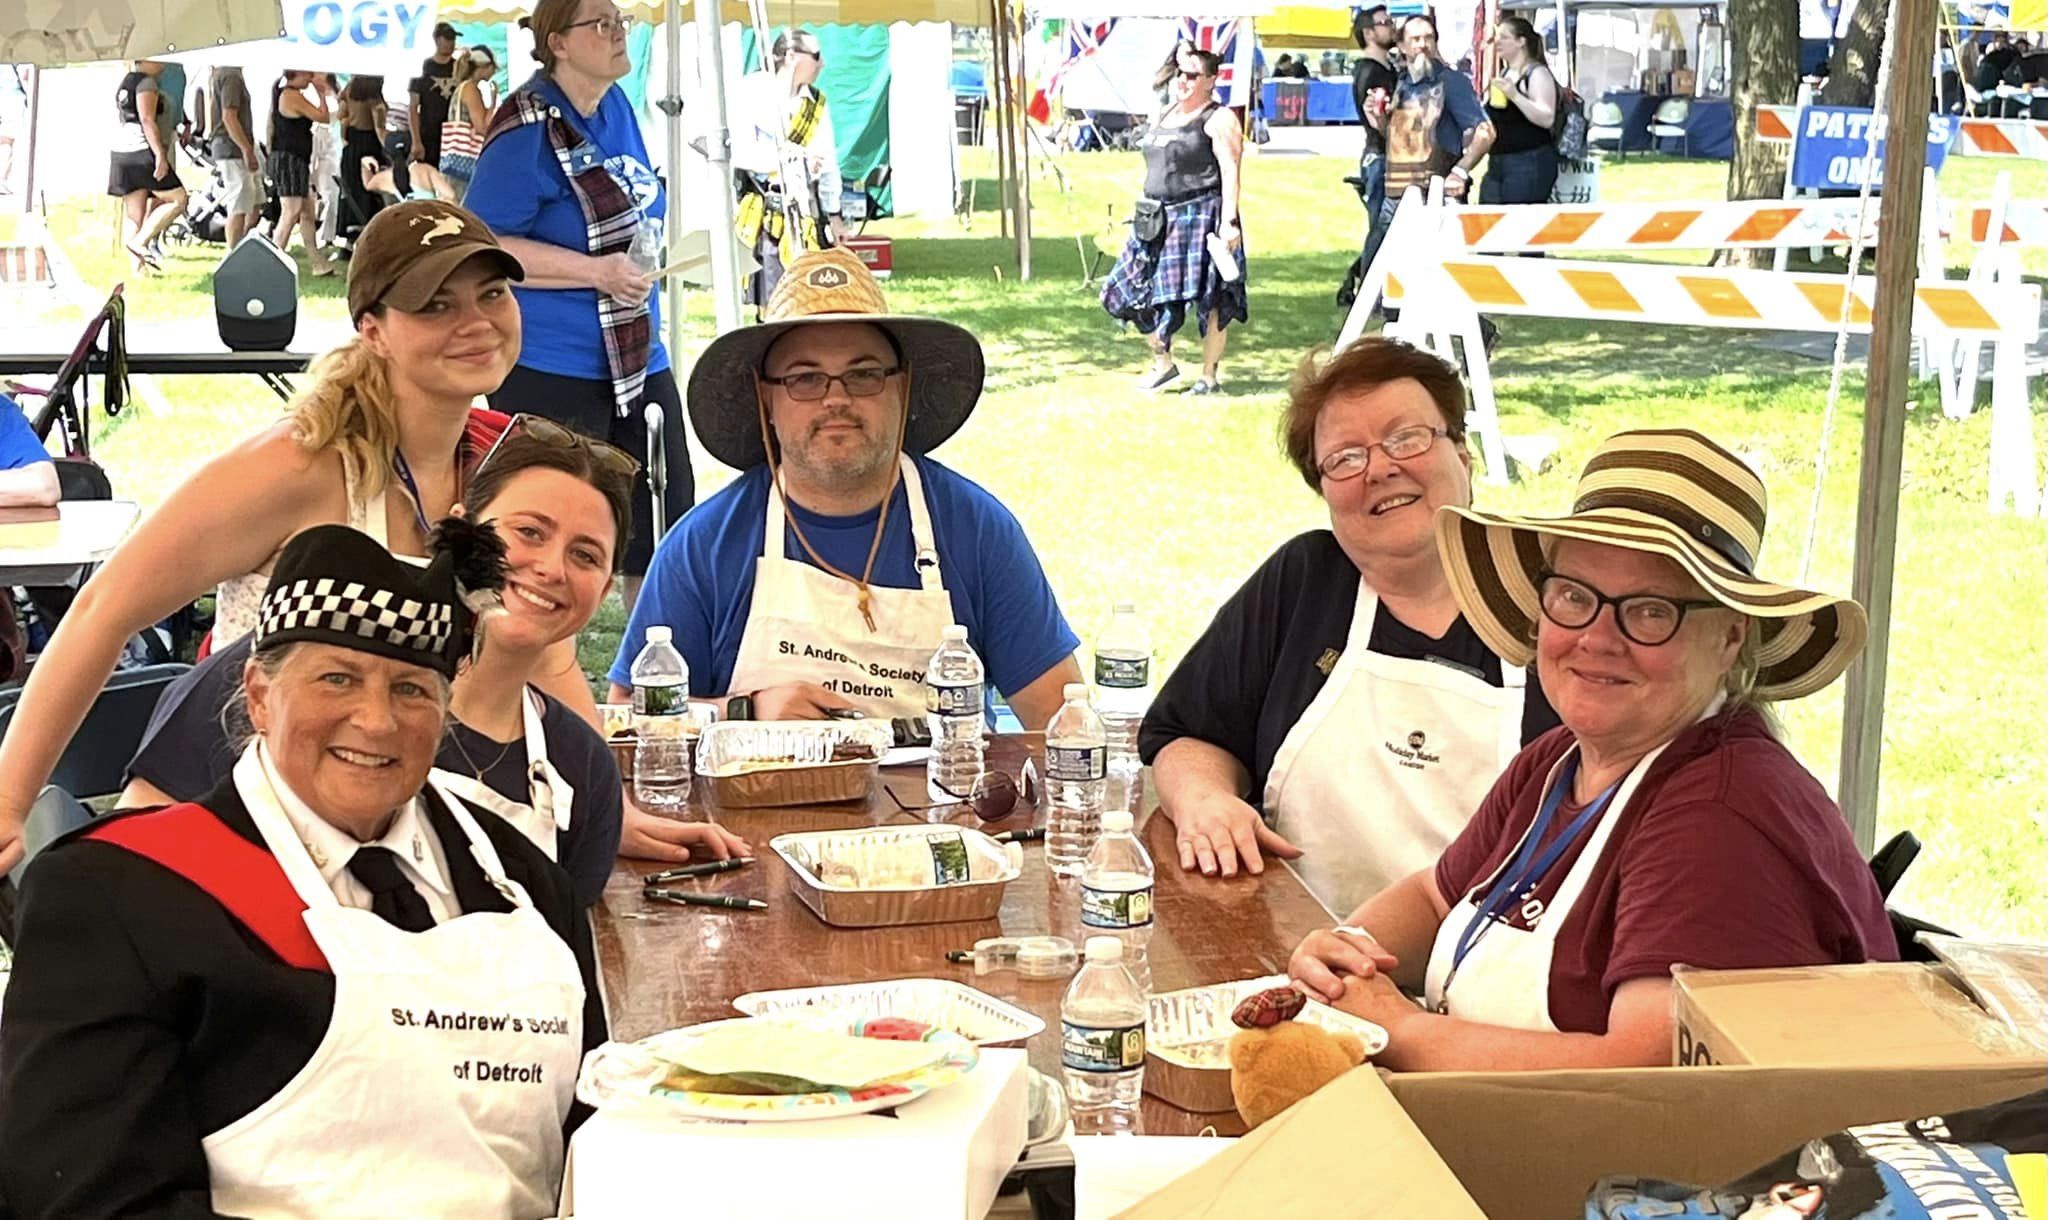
{"x":1378,"y":1000}
{"x":644,"y":836}
{"x":618,"y":278}
{"x":1217,"y":830}
{"x":1329,"y":961}
{"x":796,"y":701}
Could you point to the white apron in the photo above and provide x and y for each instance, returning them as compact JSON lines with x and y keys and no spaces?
{"x":1505,"y":978}
{"x":447,"y":1068}
{"x":1390,"y":760}
{"x":545,"y":815}
{"x":805,"y":626}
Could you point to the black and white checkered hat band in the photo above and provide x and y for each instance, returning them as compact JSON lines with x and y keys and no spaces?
{"x":353,"y":609}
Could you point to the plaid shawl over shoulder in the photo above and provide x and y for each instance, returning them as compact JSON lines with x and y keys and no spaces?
{"x":609,"y":220}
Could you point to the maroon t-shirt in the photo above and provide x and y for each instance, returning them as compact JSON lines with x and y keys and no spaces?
{"x":1730,"y":856}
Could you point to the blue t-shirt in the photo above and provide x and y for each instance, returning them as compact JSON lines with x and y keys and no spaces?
{"x":19,"y":447}
{"x":519,"y":190}
{"x":1460,"y":110}
{"x":701,"y":583}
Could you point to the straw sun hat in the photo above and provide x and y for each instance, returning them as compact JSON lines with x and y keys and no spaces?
{"x":943,"y":362}
{"x":1671,"y":493}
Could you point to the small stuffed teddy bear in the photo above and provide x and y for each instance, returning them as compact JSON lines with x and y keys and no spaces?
{"x":1276,"y":1061}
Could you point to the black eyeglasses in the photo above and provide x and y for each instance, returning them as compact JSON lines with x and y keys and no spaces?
{"x":995,"y":795}
{"x":1187,"y":75}
{"x":1405,"y":445}
{"x":607,"y":25}
{"x":611,"y":458}
{"x":811,"y":386}
{"x":1644,"y":618}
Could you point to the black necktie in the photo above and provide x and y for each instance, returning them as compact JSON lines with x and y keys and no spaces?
{"x":392,"y":897}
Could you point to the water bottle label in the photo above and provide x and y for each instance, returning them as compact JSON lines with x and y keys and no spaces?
{"x":949,"y":860}
{"x":1116,"y":908}
{"x":1080,"y":764}
{"x":661,"y":700}
{"x":1090,"y":1048}
{"x":1123,"y":673}
{"x":954,"y":700}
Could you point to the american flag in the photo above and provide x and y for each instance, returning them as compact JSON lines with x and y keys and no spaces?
{"x":1083,"y":39}
{"x":1221,"y":38}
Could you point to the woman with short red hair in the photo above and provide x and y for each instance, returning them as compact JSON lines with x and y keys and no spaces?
{"x":1340,"y":713}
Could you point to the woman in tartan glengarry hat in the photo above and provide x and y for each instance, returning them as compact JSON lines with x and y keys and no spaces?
{"x":208,"y":990}
{"x":1186,"y":251}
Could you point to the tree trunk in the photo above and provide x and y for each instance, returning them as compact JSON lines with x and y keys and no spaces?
{"x":1764,"y":71}
{"x":1852,"y":72}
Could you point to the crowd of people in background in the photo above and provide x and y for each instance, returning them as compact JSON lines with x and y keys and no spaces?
{"x":2014,"y":62}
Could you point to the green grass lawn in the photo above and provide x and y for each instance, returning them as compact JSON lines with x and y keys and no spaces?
{"x":1170,"y":501}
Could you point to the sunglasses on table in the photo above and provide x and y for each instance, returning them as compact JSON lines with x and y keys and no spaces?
{"x":1644,"y":618}
{"x":810,"y":386}
{"x":995,"y":795}
{"x":608,"y":457}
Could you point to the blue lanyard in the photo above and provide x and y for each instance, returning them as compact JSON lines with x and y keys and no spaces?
{"x":419,"y":505}
{"x":1523,"y":874}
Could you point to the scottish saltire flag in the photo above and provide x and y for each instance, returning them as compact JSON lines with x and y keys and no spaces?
{"x":1081,"y":40}
{"x":1232,"y":40}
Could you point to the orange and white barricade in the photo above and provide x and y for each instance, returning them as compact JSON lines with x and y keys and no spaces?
{"x":1446,"y":265}
{"x":2026,"y":139}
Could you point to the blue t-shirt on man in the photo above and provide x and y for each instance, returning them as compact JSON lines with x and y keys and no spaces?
{"x":19,"y":447}
{"x":701,"y":583}
{"x":519,"y":190}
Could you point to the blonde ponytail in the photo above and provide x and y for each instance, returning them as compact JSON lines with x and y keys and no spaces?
{"x":347,"y":406}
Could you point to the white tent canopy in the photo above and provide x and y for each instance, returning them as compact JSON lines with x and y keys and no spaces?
{"x":52,"y":33}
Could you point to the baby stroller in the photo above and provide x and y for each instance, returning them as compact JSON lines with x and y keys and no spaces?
{"x":206,"y":213}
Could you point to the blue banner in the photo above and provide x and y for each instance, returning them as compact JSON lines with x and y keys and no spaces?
{"x":1829,"y":146}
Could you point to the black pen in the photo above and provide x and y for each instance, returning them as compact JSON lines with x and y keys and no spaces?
{"x":1030,"y":834}
{"x":703,"y":869}
{"x":689,"y":899}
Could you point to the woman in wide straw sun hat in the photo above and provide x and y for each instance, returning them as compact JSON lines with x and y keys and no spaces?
{"x":1663,"y":824}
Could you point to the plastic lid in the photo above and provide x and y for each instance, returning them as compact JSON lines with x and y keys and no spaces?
{"x":660,"y":635}
{"x":1073,"y":691}
{"x":954,"y":634}
{"x":1118,"y":821}
{"x":1105,"y":949}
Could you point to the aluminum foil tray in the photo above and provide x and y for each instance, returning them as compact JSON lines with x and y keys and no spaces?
{"x":892,"y":875}
{"x":1187,"y":1040}
{"x":755,"y":764}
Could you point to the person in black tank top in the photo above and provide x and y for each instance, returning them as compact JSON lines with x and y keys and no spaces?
{"x":1170,"y":266}
{"x":292,"y":115}
{"x":1521,"y":103}
{"x":141,"y":165}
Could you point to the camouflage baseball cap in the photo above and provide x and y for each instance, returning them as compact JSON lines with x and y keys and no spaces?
{"x":409,"y":250}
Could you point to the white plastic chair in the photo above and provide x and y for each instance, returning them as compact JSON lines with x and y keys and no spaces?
{"x":1669,"y":123}
{"x":1605,"y":121}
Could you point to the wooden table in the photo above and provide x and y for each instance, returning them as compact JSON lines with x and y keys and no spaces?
{"x":47,"y":553}
{"x":664,"y":966}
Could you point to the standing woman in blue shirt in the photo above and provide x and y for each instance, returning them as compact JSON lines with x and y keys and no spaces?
{"x":564,"y":180}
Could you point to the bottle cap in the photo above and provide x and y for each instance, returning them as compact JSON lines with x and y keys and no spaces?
{"x":1117,"y":821}
{"x":1074,"y":691}
{"x":660,"y":635}
{"x":954,"y":634}
{"x":1105,"y":949}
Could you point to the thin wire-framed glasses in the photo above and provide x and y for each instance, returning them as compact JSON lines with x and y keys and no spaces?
{"x":608,"y":25}
{"x":995,"y":795}
{"x":812,"y":385}
{"x":1405,"y":445}
{"x":1644,"y":618}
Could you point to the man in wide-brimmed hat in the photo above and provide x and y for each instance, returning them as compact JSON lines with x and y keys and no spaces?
{"x":1663,"y":824}
{"x":823,"y":577}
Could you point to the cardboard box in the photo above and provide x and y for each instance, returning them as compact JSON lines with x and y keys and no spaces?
{"x":1683,"y":82}
{"x":1876,"y":1014}
{"x":1523,"y":1145}
{"x":943,"y":1155}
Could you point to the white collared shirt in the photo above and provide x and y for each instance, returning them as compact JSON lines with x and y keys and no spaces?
{"x":408,"y":837}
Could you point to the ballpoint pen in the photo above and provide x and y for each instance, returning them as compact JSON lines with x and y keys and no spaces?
{"x":1029,"y":834}
{"x":703,"y":869}
{"x":689,"y":899}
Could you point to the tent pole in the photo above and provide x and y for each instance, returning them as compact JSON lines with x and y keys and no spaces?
{"x":725,"y":263}
{"x":1563,"y":67}
{"x":35,"y":105}
{"x":1884,"y":412}
{"x":1021,"y":130}
{"x":999,"y":60}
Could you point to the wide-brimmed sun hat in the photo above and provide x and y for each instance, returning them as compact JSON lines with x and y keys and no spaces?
{"x":942,"y":361}
{"x":1671,"y":493}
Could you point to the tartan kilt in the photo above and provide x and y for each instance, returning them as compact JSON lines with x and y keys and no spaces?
{"x":1176,"y":268}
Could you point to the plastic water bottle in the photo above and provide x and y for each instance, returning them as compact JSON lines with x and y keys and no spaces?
{"x":952,"y":699}
{"x":1102,"y":1041}
{"x":1116,"y":893}
{"x":1075,"y":762}
{"x":661,"y":723}
{"x":1123,"y":693}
